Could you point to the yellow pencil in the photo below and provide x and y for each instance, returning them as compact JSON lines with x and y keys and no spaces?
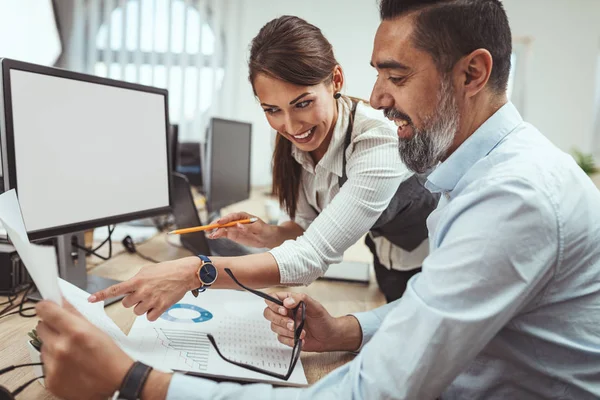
{"x":213,"y":226}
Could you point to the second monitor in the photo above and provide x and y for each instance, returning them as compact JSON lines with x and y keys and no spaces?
{"x":227,"y":164}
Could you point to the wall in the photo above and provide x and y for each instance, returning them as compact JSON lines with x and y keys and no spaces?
{"x":561,"y":62}
{"x":562,"y":65}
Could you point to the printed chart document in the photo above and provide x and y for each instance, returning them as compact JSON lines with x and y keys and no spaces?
{"x":178,"y":341}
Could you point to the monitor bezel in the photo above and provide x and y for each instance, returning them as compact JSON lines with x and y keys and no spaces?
{"x":8,"y":144}
{"x":211,"y":181}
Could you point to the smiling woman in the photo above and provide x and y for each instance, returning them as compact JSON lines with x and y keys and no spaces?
{"x":296,"y":94}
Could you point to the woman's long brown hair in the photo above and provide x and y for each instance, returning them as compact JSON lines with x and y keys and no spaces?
{"x":292,"y":50}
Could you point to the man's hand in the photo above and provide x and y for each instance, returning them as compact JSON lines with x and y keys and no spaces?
{"x":80,"y":361}
{"x":156,"y":287}
{"x":321,"y":332}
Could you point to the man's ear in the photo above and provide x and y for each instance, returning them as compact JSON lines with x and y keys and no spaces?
{"x":474,"y":71}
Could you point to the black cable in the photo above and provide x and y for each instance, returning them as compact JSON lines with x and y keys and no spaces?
{"x":110,"y":231}
{"x":152,"y":260}
{"x":22,"y":303}
{"x":10,"y":301}
{"x":21,"y":311}
{"x":130,"y":247}
{"x":92,"y":252}
{"x":7,"y":309}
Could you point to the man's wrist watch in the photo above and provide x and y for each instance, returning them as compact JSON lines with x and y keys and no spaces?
{"x":207,"y":273}
{"x":133,"y":383}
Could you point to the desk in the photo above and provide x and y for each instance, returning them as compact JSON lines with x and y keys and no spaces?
{"x":338,"y":297}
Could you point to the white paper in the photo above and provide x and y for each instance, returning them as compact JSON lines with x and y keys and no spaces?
{"x":10,"y":213}
{"x":40,"y":261}
{"x":94,"y":312}
{"x":236,"y":322}
{"x":176,"y":342}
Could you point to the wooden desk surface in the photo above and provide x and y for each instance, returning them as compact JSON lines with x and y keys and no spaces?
{"x":338,"y":297}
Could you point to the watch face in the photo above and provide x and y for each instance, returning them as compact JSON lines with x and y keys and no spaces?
{"x":208,"y":274}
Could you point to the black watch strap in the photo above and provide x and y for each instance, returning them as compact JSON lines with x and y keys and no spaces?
{"x":131,"y":387}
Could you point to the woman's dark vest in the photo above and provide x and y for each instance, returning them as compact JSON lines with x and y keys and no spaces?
{"x":403,"y":222}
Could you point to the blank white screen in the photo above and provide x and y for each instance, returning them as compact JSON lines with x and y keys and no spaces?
{"x":86,"y":151}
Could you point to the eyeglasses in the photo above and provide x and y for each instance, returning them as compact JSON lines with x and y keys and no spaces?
{"x":301,"y":307}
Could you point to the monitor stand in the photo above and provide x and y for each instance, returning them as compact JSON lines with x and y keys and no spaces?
{"x":71,"y":267}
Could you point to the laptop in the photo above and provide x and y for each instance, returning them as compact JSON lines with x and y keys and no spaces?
{"x":186,"y":216}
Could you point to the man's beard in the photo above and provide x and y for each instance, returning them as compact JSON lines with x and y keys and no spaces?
{"x":429,"y":144}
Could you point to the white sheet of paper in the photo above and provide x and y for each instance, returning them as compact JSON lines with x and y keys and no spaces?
{"x":178,"y":341}
{"x":10,"y":213}
{"x":40,"y":261}
{"x":95,"y":313}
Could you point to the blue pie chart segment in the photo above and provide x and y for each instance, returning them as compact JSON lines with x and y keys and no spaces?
{"x":202,"y":314}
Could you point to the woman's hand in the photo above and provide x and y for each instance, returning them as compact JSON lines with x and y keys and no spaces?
{"x":156,"y":287}
{"x":257,"y":234}
{"x":321,"y":332}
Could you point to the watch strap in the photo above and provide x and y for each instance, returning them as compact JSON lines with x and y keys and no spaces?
{"x":131,"y":387}
{"x":204,"y":258}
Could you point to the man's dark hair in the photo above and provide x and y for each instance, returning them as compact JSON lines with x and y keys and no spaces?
{"x":451,"y":29}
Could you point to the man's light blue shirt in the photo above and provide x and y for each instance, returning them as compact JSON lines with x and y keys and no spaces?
{"x":508,"y":303}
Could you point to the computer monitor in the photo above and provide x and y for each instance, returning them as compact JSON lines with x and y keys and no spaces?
{"x":191,"y":163}
{"x":227,"y":175}
{"x":174,"y":146}
{"x":81,"y":152}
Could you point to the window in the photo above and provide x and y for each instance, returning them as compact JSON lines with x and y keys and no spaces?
{"x":163,"y":43}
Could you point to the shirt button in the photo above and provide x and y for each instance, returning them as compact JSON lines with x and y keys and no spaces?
{"x":447,"y":195}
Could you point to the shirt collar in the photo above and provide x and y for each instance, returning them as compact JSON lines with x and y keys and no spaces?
{"x":445,"y":177}
{"x":333,"y":159}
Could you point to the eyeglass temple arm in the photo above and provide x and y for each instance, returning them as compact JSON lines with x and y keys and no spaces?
{"x":295,"y":357}
{"x":247,"y":366}
{"x":256,"y":292}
